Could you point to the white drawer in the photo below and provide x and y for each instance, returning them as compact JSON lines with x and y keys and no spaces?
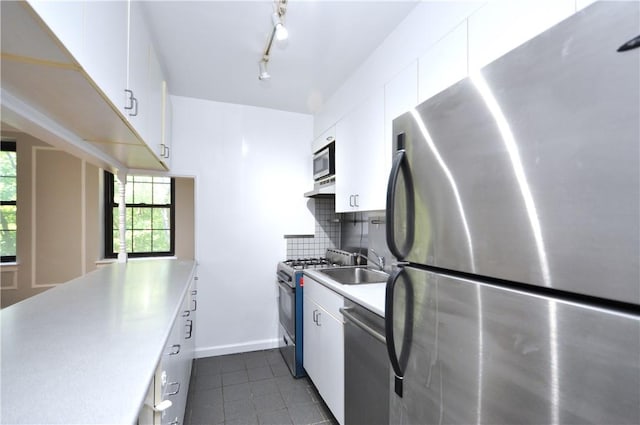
{"x":324,"y":297}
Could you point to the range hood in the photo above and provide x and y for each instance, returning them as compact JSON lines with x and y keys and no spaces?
{"x":322,"y":190}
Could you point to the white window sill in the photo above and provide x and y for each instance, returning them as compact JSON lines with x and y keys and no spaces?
{"x":9,"y":267}
{"x":106,"y":261}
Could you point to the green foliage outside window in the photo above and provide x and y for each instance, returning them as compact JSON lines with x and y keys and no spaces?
{"x":8,"y":201}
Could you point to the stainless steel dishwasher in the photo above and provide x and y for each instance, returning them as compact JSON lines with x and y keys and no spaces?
{"x":366,"y":367}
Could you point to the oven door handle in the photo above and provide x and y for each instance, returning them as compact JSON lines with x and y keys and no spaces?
{"x":285,"y":286}
{"x":282,"y":276}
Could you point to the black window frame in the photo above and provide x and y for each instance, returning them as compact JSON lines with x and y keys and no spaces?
{"x":110,"y":204}
{"x":10,"y":146}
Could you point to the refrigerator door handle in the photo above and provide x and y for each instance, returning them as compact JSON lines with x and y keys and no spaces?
{"x":400,"y":164}
{"x":388,"y":326}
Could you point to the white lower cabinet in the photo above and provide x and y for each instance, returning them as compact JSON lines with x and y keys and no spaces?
{"x":324,"y":344}
{"x":166,"y":398}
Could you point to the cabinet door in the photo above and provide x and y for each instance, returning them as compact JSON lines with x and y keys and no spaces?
{"x":331,"y":335}
{"x":500,"y":26}
{"x":311,"y":344}
{"x":444,"y":64}
{"x":65,"y":19}
{"x":138,"y":71}
{"x":361,"y":172}
{"x":324,"y":345}
{"x":400,"y":95}
{"x":153,"y":104}
{"x":324,"y":139}
{"x":167,"y":126}
{"x":105,"y":53}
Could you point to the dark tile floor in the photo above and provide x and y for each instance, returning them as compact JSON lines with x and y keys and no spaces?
{"x":252,"y":388}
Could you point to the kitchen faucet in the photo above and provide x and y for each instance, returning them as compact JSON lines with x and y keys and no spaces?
{"x":379,"y":263}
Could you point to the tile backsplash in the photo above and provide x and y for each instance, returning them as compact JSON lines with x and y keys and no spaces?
{"x":327,"y":233}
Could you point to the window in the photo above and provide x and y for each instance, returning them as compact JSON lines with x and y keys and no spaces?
{"x":149,"y":219}
{"x":8,"y":201}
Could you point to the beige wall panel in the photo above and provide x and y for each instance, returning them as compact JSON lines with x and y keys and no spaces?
{"x":58,"y":240}
{"x":92,"y":216}
{"x":185,"y":232}
{"x":24,"y":145}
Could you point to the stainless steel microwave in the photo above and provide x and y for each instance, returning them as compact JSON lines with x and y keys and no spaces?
{"x":324,"y":162}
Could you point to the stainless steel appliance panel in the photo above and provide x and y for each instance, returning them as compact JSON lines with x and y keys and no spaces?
{"x":287,"y":308}
{"x":529,"y":170}
{"x":366,"y":367}
{"x":288,"y":349}
{"x":476,"y":353}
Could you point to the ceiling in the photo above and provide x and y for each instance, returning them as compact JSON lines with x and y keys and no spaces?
{"x":211,"y":49}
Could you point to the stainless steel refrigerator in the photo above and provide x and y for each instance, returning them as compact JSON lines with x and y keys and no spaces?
{"x":513,"y":208}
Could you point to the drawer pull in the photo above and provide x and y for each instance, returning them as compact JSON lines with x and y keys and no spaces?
{"x":176,"y":385}
{"x":186,"y":313}
{"x":189,"y":327}
{"x":175,"y":349}
{"x":195,"y":305}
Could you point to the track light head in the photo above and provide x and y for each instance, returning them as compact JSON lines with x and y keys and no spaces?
{"x":264,"y":74}
{"x":281,"y":31}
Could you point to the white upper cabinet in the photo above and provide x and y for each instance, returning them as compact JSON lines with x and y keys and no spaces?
{"x":138,"y":105}
{"x":400,"y":95}
{"x":361,"y":172}
{"x":324,"y":139}
{"x":444,"y":64}
{"x":87,"y":53}
{"x":154,"y":105}
{"x":105,"y":58}
{"x":167,"y":126}
{"x":500,"y":26}
{"x":66,"y":21}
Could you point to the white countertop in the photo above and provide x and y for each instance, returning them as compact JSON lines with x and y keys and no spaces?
{"x":369,"y":295}
{"x":85,"y":351}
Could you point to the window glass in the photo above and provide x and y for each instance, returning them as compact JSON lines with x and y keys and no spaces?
{"x":149,"y":215}
{"x":8,"y":201}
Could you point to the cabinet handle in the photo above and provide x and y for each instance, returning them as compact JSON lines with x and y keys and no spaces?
{"x":351,"y":200}
{"x":177,"y":386}
{"x":314,"y":316}
{"x":355,"y":201}
{"x":186,"y":313}
{"x":135,"y":107}
{"x":167,"y":151}
{"x":129,"y":99}
{"x":174,"y":422}
{"x":318,"y":319}
{"x":195,"y":305}
{"x":175,"y":349}
{"x":195,"y":291}
{"x":189,"y":326}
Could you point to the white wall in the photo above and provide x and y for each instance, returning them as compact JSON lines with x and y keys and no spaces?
{"x":445,"y":37}
{"x":252,"y":166}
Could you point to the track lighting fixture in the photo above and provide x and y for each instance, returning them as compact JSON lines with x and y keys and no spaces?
{"x":264,"y":74}
{"x":279,"y":32}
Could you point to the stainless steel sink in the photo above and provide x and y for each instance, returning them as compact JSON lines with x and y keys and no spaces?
{"x":355,"y":275}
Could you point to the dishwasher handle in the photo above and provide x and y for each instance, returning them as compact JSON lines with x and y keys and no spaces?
{"x":359,"y":323}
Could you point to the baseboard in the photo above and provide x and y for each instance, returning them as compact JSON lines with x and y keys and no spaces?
{"x":221,"y":350}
